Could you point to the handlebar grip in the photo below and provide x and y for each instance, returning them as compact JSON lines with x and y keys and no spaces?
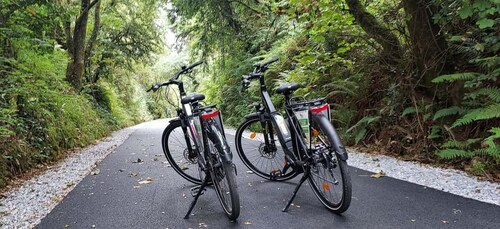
{"x":245,"y":83}
{"x":195,"y":64}
{"x":154,"y":87}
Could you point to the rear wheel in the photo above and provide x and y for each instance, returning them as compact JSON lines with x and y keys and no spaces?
{"x":175,"y":148}
{"x":223,"y":175}
{"x":330,"y":179}
{"x":265,"y":160}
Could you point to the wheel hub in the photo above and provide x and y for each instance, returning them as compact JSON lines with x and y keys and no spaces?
{"x":190,"y":159}
{"x":268,"y":152}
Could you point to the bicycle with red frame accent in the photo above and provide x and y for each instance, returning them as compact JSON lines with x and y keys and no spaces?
{"x":196,"y":148}
{"x":305,"y":142}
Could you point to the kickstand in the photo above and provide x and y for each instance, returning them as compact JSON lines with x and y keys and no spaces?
{"x":304,"y":178}
{"x":198,"y":194}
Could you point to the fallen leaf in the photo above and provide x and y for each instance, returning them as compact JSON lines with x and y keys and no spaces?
{"x":66,"y":226}
{"x":95,"y":172}
{"x":202,"y":225}
{"x":248,"y":222}
{"x":249,"y":184}
{"x":378,"y":174}
{"x":147,"y":181}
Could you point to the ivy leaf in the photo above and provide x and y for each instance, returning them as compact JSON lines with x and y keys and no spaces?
{"x":485,"y":23}
{"x":465,"y":11}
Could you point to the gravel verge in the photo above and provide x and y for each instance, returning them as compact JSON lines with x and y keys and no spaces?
{"x":25,"y":206}
{"x":447,"y":180}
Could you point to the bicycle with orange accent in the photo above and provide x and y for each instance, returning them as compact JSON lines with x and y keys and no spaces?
{"x":278,"y":149}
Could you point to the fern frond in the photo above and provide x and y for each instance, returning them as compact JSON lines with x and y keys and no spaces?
{"x":454,"y":153}
{"x":460,"y":144}
{"x":409,"y":110}
{"x":455,"y":77}
{"x":447,"y":112}
{"x":360,"y":135}
{"x":365,"y":121}
{"x":483,"y":113}
{"x":493,"y":151}
{"x":488,"y":61}
{"x":492,"y":92}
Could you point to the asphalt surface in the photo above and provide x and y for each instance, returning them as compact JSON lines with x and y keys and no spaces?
{"x":112,"y":197}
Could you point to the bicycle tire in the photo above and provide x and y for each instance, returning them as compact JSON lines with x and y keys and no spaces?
{"x":325,"y":177}
{"x":223,"y":174}
{"x":255,"y":156}
{"x":175,"y":150}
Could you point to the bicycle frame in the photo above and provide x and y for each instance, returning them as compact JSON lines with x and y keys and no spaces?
{"x":294,"y":146}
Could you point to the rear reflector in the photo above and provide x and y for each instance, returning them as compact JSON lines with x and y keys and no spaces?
{"x":320,"y":108}
{"x":209,"y":115}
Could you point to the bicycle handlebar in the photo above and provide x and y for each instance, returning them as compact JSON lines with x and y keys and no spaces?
{"x":185,"y":69}
{"x":174,"y":79}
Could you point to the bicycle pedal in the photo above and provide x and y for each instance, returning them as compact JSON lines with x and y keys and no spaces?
{"x":275,"y":174}
{"x":195,"y":190}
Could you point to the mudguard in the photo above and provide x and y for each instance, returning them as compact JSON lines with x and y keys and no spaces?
{"x":334,"y":138}
{"x":220,"y":141}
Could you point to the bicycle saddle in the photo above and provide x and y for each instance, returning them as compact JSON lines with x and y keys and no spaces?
{"x":286,"y":88}
{"x":192,"y":98}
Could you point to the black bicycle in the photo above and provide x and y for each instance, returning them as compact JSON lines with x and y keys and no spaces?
{"x":196,"y":148}
{"x":307,"y":143}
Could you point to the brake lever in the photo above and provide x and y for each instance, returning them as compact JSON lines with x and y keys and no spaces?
{"x":154,"y":88}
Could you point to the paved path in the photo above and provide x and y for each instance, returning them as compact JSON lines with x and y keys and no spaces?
{"x":113,"y":198}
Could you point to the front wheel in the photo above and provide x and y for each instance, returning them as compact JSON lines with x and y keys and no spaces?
{"x":223,"y":175}
{"x":329,"y":175}
{"x":175,"y":148}
{"x":266,"y":160}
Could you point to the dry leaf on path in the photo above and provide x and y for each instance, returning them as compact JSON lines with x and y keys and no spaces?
{"x":95,"y":172}
{"x":378,"y":174}
{"x":147,"y":181}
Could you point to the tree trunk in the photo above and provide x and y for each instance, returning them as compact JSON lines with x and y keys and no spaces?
{"x":389,"y":42}
{"x":92,"y":41}
{"x":228,"y":12}
{"x":75,"y":69}
{"x":428,"y":45}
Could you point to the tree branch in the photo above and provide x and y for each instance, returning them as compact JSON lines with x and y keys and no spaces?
{"x":13,"y":8}
{"x":246,"y":6}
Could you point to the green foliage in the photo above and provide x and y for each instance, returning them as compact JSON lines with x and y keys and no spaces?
{"x":409,"y":110}
{"x":454,"y":110}
{"x":361,"y":127}
{"x":453,"y":153}
{"x":40,"y":114}
{"x":455,"y":77}
{"x":483,"y":113}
